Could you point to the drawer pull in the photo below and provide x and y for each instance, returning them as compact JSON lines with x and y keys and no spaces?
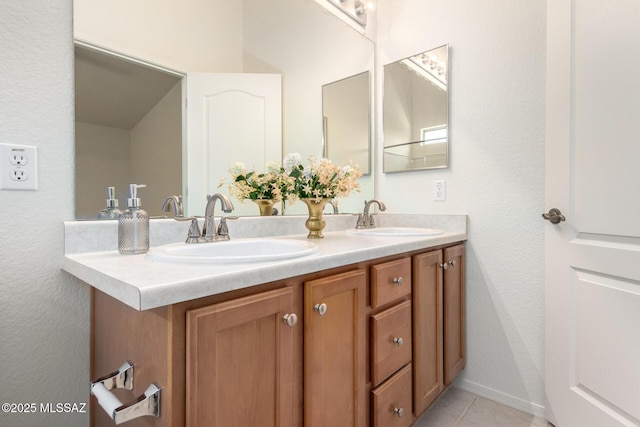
{"x":321,"y":309}
{"x":290,"y":319}
{"x":398,"y":341}
{"x":398,"y":281}
{"x":398,"y":411}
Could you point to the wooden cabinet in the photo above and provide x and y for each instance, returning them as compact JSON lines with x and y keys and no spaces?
{"x":427,"y":330}
{"x":240,"y":362}
{"x":334,"y":350}
{"x":453,"y":312}
{"x":438,"y":322}
{"x":374,"y":344}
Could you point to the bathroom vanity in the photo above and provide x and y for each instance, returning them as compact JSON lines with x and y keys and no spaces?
{"x":367,"y":331}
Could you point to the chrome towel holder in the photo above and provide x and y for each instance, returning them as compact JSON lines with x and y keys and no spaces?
{"x":147,"y":404}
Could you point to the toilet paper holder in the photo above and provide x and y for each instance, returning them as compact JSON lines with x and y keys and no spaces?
{"x":147,"y":404}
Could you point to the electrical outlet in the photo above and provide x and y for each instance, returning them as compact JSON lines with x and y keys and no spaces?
{"x":18,"y":167}
{"x":439,"y":190}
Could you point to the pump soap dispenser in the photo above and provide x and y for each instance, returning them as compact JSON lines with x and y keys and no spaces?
{"x":111,"y":211}
{"x":133,"y":225}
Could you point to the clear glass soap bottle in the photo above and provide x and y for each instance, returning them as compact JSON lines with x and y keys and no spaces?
{"x":133,"y":225}
{"x":111,"y":211}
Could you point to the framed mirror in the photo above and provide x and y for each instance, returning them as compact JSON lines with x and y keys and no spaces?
{"x":306,"y":45}
{"x":416,"y":112}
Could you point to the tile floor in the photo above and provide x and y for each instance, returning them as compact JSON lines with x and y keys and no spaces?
{"x":459,"y":408}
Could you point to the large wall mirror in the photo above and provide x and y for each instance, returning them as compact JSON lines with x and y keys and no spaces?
{"x":416,"y":112}
{"x":297,"y":40}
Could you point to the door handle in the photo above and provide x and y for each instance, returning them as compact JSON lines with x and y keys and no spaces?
{"x":554,"y":216}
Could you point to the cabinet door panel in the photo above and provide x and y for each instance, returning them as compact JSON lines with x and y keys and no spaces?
{"x":454,"y":345}
{"x":427,"y":329}
{"x":239,"y":362}
{"x":334,"y":355}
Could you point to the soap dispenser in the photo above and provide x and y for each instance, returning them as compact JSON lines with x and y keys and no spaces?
{"x":111,"y":211}
{"x":133,"y":225}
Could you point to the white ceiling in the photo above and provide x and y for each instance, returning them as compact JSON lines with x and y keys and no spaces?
{"x":116,"y":93}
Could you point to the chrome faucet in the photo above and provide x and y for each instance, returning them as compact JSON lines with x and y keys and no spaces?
{"x":365,"y":219}
{"x":209,"y":232}
{"x":334,"y":206}
{"x":176,"y":201}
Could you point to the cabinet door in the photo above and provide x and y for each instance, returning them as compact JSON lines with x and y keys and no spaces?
{"x":427,"y":329}
{"x":334,"y":351}
{"x":240,"y":362}
{"x":454,"y":346}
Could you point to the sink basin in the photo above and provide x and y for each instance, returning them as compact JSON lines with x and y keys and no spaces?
{"x":232,"y":251}
{"x":394,"y":231}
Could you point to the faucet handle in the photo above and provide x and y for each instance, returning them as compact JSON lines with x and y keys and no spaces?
{"x":194,"y":235}
{"x":223,"y":230}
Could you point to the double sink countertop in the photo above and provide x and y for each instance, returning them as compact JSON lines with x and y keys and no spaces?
{"x":91,"y":254}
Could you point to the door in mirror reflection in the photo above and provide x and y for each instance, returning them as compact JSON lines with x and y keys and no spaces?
{"x":416,"y":112}
{"x":230,"y":118}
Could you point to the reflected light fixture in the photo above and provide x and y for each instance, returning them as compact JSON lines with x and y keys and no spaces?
{"x":355,"y":9}
{"x":429,"y":67}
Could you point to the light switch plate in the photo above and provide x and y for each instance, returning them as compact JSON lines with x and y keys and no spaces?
{"x":18,"y":167}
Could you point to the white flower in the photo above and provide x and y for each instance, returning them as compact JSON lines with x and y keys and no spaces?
{"x":291,"y":161}
{"x":237,"y":168}
{"x":273,"y":167}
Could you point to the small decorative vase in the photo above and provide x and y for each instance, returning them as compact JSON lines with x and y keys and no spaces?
{"x":265,"y":206}
{"x":315,"y":224}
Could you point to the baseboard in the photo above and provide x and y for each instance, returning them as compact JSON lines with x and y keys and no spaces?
{"x":500,"y":397}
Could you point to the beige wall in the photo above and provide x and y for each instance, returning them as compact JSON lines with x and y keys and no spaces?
{"x":102,"y":160}
{"x":156,"y":152}
{"x":189,"y":35}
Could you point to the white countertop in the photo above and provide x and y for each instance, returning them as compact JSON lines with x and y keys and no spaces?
{"x":143,"y":284}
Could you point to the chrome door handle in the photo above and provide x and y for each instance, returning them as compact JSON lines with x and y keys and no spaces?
{"x":554,"y":216}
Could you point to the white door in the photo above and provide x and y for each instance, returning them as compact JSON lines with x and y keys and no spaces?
{"x":230,"y":118}
{"x":592,"y":354}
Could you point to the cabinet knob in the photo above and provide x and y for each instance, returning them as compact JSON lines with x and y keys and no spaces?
{"x":398,"y":341}
{"x":398,"y":411}
{"x":444,"y":266}
{"x":290,"y":319}
{"x":398,"y":281}
{"x":321,"y":309}
{"x":452,"y":263}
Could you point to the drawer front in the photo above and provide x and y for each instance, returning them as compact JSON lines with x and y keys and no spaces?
{"x":391,"y":402}
{"x":390,"y":281}
{"x":390,"y":341}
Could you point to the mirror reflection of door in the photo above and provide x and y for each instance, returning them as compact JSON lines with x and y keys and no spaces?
{"x":128,"y":130}
{"x":345,"y":111}
{"x":416,"y":112}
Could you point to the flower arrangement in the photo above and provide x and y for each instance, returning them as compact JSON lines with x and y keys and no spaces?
{"x":274,"y":184}
{"x":321,"y":178}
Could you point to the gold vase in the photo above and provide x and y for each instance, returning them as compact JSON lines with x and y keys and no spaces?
{"x":315,"y":224}
{"x":265,"y":206}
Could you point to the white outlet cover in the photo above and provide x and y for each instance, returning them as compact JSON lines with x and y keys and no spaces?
{"x":18,"y":167}
{"x":439,"y":190}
